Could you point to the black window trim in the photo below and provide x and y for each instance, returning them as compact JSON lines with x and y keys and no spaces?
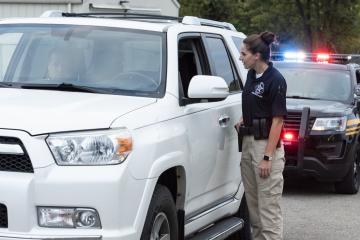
{"x":201,"y":61}
{"x":232,"y":64}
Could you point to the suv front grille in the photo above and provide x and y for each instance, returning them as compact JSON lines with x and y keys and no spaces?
{"x":13,"y":162}
{"x":293,"y":119}
{"x":3,"y":216}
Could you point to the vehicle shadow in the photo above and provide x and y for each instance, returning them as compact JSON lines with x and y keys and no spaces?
{"x":307,"y":186}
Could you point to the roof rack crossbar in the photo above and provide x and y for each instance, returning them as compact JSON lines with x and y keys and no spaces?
{"x":122,"y":15}
{"x":206,"y":22}
{"x":189,"y":20}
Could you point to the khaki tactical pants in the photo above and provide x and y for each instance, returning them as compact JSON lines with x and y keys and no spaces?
{"x":263,"y":195}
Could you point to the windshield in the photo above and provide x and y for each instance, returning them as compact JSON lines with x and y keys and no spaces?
{"x":317,"y":83}
{"x":121,"y":61}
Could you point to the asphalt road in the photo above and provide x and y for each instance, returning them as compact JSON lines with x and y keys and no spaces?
{"x":313,"y":211}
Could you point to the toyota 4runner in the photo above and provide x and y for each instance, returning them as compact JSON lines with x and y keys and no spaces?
{"x":120,"y":126}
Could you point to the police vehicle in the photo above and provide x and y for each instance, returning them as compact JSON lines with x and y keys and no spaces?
{"x":321,"y":131}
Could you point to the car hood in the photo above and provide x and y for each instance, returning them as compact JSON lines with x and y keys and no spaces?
{"x":43,"y":111}
{"x":317,"y":106}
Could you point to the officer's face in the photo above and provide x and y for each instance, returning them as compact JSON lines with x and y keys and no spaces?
{"x":249,"y":59}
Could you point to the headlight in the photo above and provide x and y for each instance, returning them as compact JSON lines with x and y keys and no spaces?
{"x":91,"y":148}
{"x":335,"y":124}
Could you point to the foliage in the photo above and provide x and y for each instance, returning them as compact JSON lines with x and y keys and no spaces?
{"x":312,"y":25}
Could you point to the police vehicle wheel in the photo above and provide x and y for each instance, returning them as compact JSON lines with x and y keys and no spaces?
{"x":161,"y":219}
{"x":350,"y":183}
{"x":243,"y":213}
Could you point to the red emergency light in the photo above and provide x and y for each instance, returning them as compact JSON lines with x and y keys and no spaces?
{"x":322,"y":57}
{"x":289,"y":137}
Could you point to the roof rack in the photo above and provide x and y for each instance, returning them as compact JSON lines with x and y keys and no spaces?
{"x":121,"y":15}
{"x":188,"y":20}
{"x":205,"y":22}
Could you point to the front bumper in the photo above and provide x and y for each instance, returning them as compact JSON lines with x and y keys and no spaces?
{"x":116,"y":195}
{"x":323,"y":156}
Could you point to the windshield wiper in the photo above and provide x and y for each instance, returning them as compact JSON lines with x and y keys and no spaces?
{"x":5,"y":84}
{"x":63,"y":87}
{"x":301,"y":97}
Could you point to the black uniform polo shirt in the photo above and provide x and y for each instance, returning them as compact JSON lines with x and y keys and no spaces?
{"x":264,"y":97}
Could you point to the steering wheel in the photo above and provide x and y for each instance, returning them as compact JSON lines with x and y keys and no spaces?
{"x":133,"y":77}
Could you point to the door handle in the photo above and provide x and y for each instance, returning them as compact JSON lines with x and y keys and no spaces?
{"x":224,"y":121}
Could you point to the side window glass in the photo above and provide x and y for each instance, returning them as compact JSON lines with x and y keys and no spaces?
{"x":358,"y":76}
{"x":237,"y":41}
{"x":222,"y":64}
{"x":190,"y":62}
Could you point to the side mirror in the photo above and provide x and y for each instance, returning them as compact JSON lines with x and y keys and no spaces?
{"x":205,"y":87}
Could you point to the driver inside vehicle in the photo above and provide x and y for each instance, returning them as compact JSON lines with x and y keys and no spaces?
{"x":64,"y":65}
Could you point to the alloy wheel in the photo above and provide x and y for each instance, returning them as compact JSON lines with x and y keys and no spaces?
{"x":161,"y":228}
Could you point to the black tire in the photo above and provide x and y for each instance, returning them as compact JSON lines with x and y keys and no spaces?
{"x":161,"y":211}
{"x":351,"y":182}
{"x":243,"y":213}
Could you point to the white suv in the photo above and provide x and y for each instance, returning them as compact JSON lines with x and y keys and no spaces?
{"x":132,"y":137}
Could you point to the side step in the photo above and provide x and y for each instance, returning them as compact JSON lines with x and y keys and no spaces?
{"x":220,"y":230}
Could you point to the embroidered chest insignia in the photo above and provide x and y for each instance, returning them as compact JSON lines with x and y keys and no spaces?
{"x":259,"y":90}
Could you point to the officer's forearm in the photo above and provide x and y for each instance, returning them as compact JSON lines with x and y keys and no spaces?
{"x":274,"y":135}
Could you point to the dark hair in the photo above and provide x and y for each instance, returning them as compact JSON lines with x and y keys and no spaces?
{"x":260,"y":43}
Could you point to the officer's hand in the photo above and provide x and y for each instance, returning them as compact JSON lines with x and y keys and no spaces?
{"x":237,"y":125}
{"x":264,"y":168}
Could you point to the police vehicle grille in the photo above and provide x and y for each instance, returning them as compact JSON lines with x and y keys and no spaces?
{"x":12,"y":162}
{"x":3,"y":216}
{"x":293,"y":119}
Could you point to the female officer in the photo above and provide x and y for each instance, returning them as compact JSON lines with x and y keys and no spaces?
{"x":262,"y":163}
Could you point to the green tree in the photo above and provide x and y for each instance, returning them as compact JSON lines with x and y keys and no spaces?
{"x":311,"y":25}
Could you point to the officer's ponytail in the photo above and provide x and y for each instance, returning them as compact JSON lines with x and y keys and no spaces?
{"x":260,"y":43}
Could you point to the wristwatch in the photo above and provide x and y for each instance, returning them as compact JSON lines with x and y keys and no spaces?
{"x":267,"y":158}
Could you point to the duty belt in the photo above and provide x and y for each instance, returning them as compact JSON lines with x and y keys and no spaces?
{"x":245,"y":131}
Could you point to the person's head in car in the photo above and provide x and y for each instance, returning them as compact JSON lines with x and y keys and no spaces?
{"x":63,"y":65}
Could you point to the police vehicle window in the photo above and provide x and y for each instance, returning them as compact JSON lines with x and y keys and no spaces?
{"x":222,"y":64}
{"x":323,"y":84}
{"x":191,"y":61}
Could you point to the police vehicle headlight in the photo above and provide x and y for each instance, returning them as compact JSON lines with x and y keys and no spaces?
{"x":326,"y":124}
{"x":91,"y":148}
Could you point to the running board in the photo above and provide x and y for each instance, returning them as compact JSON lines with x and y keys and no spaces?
{"x":220,"y":230}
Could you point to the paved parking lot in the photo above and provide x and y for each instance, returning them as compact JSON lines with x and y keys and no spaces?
{"x":313,"y":211}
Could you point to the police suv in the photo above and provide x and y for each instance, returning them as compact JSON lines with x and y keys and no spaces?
{"x":133,"y":139}
{"x":321,"y":131}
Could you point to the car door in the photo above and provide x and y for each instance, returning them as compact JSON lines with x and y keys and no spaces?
{"x":214,"y":160}
{"x":227,"y":173}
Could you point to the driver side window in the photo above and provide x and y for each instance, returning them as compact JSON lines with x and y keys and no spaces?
{"x":191,"y":62}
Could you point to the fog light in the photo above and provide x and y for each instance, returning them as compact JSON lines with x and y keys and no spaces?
{"x":68,"y":217}
{"x":87,"y":218}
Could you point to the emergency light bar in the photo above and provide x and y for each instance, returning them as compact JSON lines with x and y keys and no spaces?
{"x":315,"y":57}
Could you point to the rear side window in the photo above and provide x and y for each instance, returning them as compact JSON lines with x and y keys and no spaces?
{"x":221,"y":63}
